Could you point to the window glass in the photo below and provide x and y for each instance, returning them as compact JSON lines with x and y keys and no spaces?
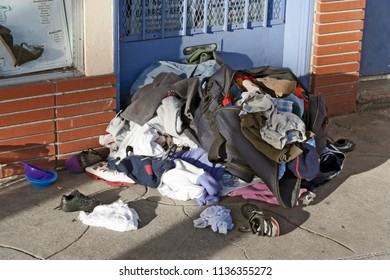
{"x":35,"y":36}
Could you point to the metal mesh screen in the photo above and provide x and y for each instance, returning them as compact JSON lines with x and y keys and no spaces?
{"x":216,"y":13}
{"x":237,"y":12}
{"x":174,"y":15}
{"x":256,"y":10}
{"x":276,"y":10}
{"x":146,"y":19}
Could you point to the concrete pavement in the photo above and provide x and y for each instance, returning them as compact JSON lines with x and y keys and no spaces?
{"x":349,"y":218}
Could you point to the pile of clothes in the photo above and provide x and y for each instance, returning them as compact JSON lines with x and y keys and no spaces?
{"x":151,"y":142}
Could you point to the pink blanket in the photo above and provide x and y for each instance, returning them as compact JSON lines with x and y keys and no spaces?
{"x":259,"y":191}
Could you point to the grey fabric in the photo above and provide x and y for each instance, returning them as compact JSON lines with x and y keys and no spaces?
{"x":202,"y":70}
{"x":147,"y":99}
{"x":253,"y":102}
{"x":250,"y":126}
{"x":280,"y":128}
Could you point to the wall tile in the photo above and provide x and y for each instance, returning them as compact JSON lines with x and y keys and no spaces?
{"x":25,"y":90}
{"x":40,"y":124}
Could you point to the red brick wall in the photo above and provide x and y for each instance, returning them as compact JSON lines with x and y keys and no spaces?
{"x":336,"y":52}
{"x":44,"y":123}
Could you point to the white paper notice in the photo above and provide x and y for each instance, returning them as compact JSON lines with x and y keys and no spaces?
{"x":44,"y":10}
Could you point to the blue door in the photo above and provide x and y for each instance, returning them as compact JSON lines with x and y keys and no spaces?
{"x":248,"y":33}
{"x":376,"y":39}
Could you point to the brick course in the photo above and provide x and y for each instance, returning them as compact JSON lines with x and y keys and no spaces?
{"x":45,"y":122}
{"x":338,"y":27}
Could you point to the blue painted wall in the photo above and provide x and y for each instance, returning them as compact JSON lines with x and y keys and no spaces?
{"x":376,"y":39}
{"x":298,"y":38}
{"x":245,"y":48}
{"x":286,"y":45}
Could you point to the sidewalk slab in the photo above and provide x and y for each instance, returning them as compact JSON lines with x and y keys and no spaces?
{"x":347,"y":220}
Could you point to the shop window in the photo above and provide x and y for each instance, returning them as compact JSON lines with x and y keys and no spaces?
{"x":40,"y":37}
{"x":153,"y":19}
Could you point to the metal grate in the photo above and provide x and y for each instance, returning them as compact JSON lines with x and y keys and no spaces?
{"x":276,"y":11}
{"x":150,"y":19}
{"x":195,"y":15}
{"x":256,"y":11}
{"x":216,"y":15}
{"x":237,"y":12}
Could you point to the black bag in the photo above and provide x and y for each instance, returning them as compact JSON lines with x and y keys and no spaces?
{"x":317,"y":119}
{"x":89,"y":157}
{"x":219,"y":132}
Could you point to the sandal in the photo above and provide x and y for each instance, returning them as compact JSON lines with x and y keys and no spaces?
{"x":344,"y":145}
{"x":260,"y":224}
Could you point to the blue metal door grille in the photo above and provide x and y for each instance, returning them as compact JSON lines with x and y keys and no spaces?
{"x":156,"y":19}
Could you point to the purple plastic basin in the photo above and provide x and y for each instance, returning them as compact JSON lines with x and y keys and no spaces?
{"x":34,"y":172}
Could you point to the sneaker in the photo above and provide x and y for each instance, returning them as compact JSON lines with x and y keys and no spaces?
{"x":77,"y":201}
{"x":100,"y":171}
{"x":260,"y":224}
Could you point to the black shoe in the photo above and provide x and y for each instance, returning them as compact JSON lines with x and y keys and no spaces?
{"x":259,"y":223}
{"x":76,"y":201}
{"x":248,"y":208}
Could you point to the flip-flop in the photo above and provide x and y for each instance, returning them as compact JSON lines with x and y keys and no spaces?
{"x":344,"y":145}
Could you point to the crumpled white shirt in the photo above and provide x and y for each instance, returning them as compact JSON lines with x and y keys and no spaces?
{"x":115,"y":216}
{"x":180,"y":183}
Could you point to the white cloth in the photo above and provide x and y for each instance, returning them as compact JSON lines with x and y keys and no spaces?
{"x":140,"y":138}
{"x":115,"y":216}
{"x":180,"y":183}
{"x":143,"y":138}
{"x":118,"y":128}
{"x":168,"y":121}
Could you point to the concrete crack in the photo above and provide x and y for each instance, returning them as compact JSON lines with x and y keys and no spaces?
{"x":317,"y":233}
{"x":327,"y":237}
{"x":185,"y":213}
{"x":21,"y":251}
{"x":66,"y":247}
{"x":145,"y":193}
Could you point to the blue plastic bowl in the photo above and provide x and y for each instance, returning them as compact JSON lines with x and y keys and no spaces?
{"x":42,"y":183}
